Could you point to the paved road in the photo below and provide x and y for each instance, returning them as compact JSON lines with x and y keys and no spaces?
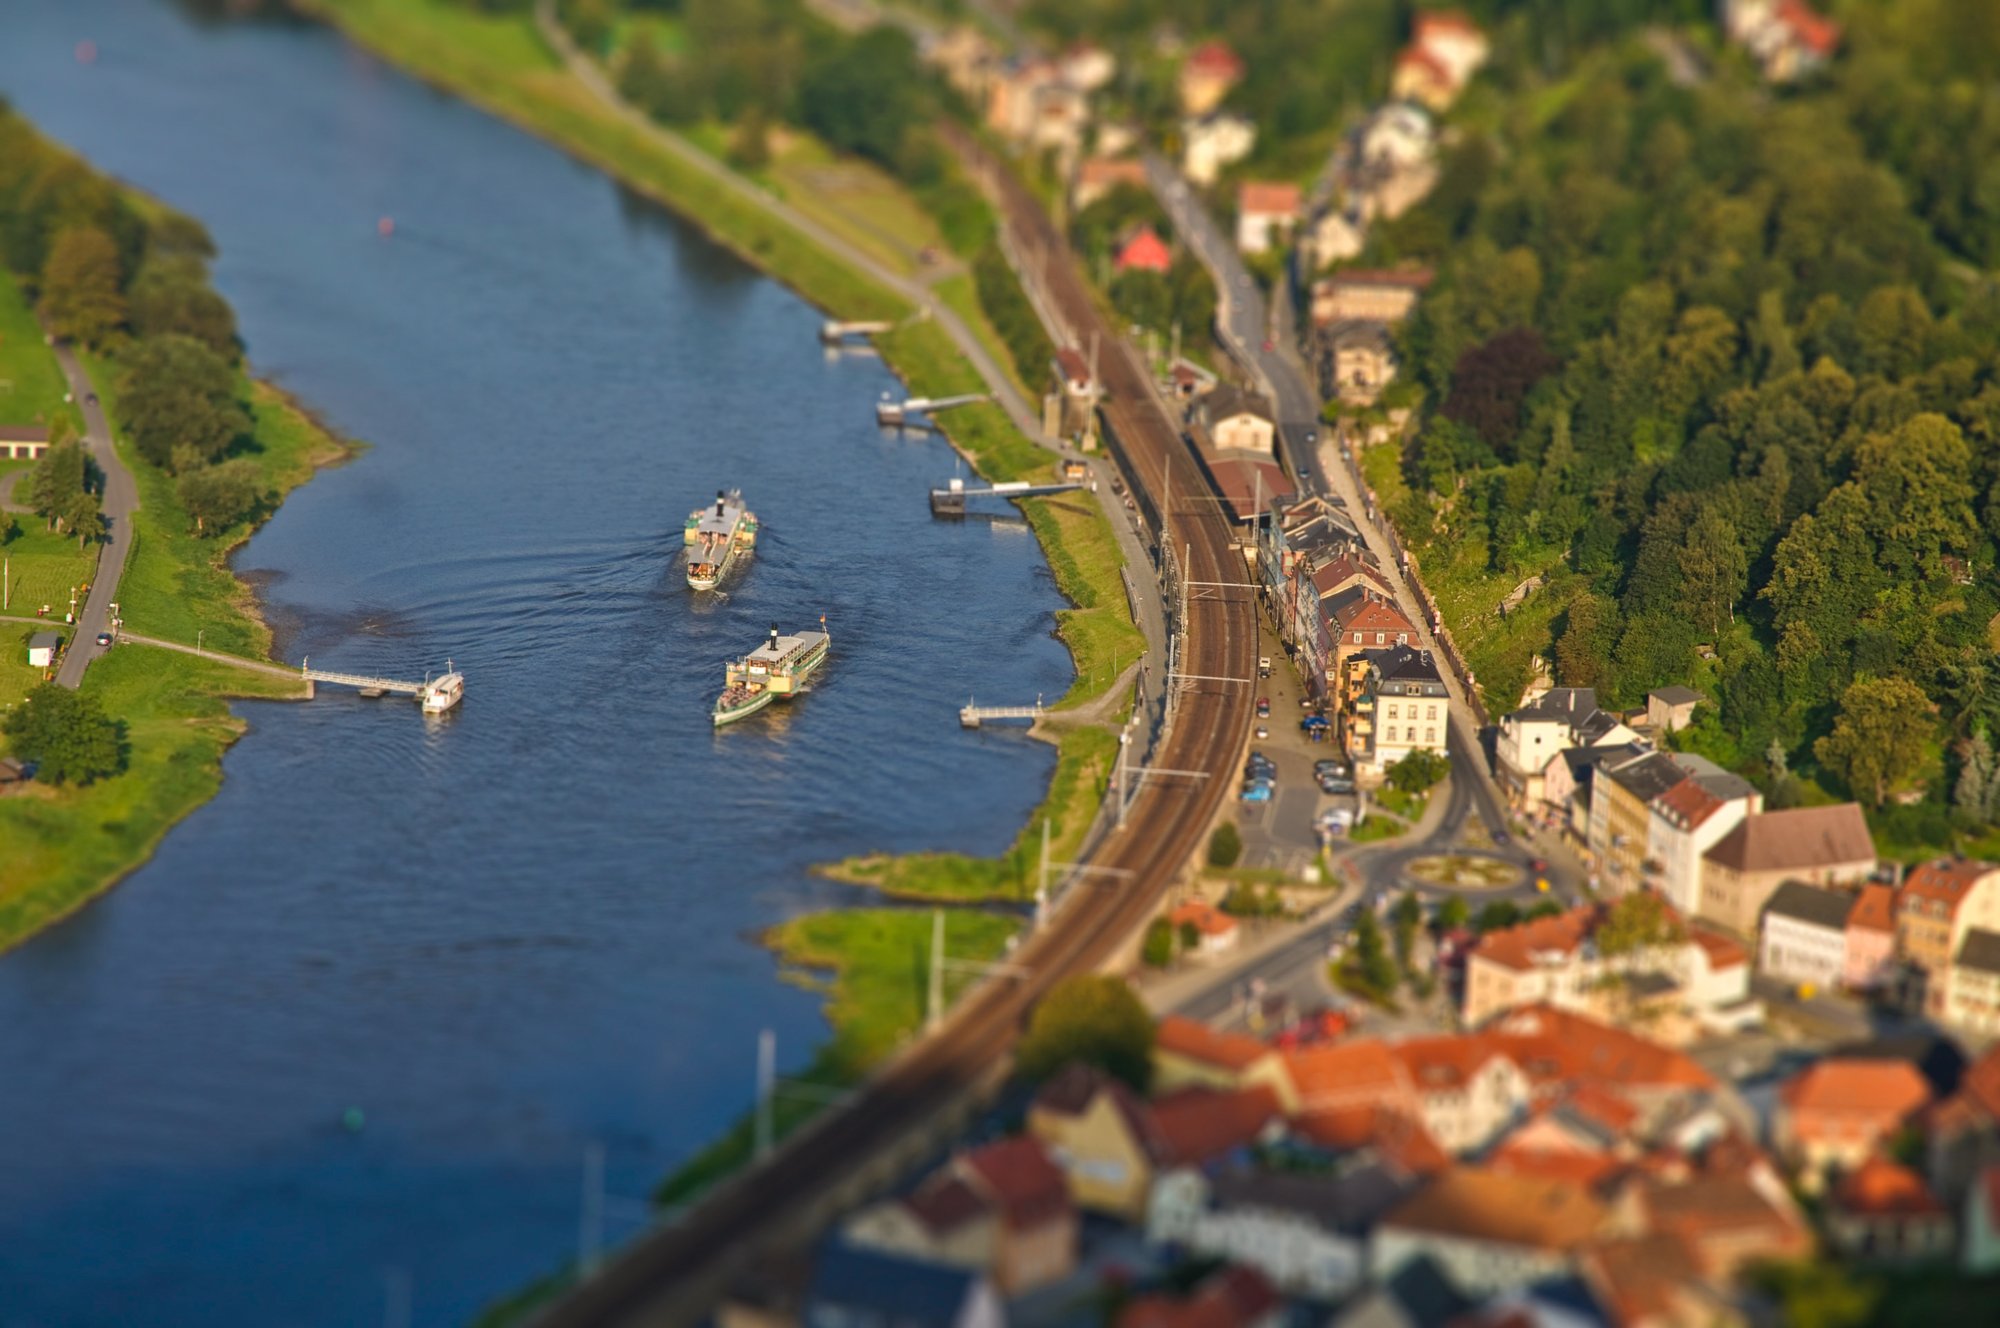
{"x":121,"y":499}
{"x":1242,"y":320}
{"x":1026,"y":419}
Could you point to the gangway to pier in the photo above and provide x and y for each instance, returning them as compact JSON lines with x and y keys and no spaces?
{"x":889,"y":411}
{"x":367,"y":684}
{"x":834,"y":331}
{"x":950,"y":500}
{"x":971,"y":716}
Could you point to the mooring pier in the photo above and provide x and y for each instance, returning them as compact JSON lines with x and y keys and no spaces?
{"x":950,"y":500}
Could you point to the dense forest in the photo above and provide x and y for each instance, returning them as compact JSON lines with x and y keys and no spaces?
{"x":1722,"y":362}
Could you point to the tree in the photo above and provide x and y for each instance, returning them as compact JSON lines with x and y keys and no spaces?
{"x":1407,"y":915}
{"x":1638,"y":921}
{"x":1093,"y":1019}
{"x":864,"y":96}
{"x":57,"y":482}
{"x":1452,"y":913}
{"x":1878,"y":742}
{"x":172,"y":296}
{"x":178,"y":394}
{"x":1158,"y":948}
{"x":217,"y":497}
{"x":80,"y":296}
{"x":1819,"y":1294}
{"x":1225,"y":846}
{"x":1714,"y":568}
{"x":66,"y":735}
{"x":1369,"y":965}
{"x":85,"y":518}
{"x":1497,"y":916}
{"x":1491,"y":381}
{"x":1419,"y":771}
{"x":1977,"y":791}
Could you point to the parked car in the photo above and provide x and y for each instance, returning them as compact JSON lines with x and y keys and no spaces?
{"x":1500,"y":839}
{"x":1329,"y":766}
{"x":1263,"y":666}
{"x":1263,"y":707}
{"x":1263,"y":731}
{"x":104,"y":639}
{"x":1256,"y":792}
{"x":1334,"y":784}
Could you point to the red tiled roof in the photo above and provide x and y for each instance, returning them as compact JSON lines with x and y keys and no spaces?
{"x":1449,"y":1061}
{"x":1417,"y":278}
{"x":1074,"y":367}
{"x":1399,"y":1137}
{"x":1722,"y":951}
{"x":1370,"y":613}
{"x":1197,"y":1125}
{"x":1600,"y":1105}
{"x":1945,"y":881}
{"x":1194,"y":1041}
{"x":1445,"y":20}
{"x":1687,"y":804}
{"x":1819,"y":35}
{"x":1560,"y":1047}
{"x":1515,"y":947}
{"x":1207,"y":918}
{"x":1888,"y":1088}
{"x":1880,"y":1188}
{"x":1362,"y":1072}
{"x":1328,"y":577}
{"x":1537,"y":1212}
{"x":1216,"y":61}
{"x":1726,"y":1209}
{"x":1112,"y":171}
{"x":1275,"y":197}
{"x":1145,"y":251}
{"x":1874,"y":909}
{"x":944,"y":1203}
{"x":1641,"y":1277}
{"x":1416,"y":57}
{"x":1026,"y":1186}
{"x":1242,"y":480}
{"x":1590,"y":1170}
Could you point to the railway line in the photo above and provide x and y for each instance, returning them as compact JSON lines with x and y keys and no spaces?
{"x":674,"y":1274}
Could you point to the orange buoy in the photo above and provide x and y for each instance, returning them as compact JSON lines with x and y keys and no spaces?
{"x":86,"y":52}
{"x":386,"y":227}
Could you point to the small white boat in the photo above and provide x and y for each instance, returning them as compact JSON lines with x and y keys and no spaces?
{"x":442,"y":693}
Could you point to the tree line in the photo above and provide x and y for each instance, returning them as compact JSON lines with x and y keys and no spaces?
{"x":1712,"y":359}
{"x":134,"y":287}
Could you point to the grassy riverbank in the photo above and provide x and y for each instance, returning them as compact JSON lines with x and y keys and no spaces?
{"x":61,"y":848}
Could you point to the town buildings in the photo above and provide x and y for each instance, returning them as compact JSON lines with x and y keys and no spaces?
{"x":1403,"y":707}
{"x":1817,"y":845}
{"x":1266,"y":212}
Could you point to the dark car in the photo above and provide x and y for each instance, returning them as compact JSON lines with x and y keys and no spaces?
{"x":104,"y":638}
{"x":1500,"y":839}
{"x":1330,"y":766}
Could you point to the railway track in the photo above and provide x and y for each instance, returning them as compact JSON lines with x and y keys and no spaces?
{"x":674,"y":1274}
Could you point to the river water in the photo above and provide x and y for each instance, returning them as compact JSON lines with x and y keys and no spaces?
{"x":528,"y":927}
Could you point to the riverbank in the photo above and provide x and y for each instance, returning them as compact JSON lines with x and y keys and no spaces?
{"x":502,"y":64}
{"x":61,"y":847}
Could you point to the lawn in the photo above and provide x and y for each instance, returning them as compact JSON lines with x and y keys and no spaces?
{"x":1084,"y":556}
{"x":959,"y":294}
{"x":42,"y":567}
{"x":856,"y":201}
{"x":61,"y":847}
{"x":31,"y":382}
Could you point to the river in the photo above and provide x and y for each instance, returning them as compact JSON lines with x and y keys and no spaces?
{"x":530,"y":927}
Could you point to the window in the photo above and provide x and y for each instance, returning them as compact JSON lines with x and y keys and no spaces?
{"x":1430,"y":735}
{"x":1357,"y":638}
{"x":1380,"y":638}
{"x":1392,"y":712}
{"x":1430,"y":712}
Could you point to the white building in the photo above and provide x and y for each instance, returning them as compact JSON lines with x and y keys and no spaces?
{"x":1213,"y":143}
{"x":1687,"y":821}
{"x":1286,"y":1227}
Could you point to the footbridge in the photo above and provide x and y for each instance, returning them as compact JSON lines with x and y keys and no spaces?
{"x":889,"y":411}
{"x":834,"y":331}
{"x":950,"y":500}
{"x":972,"y":716}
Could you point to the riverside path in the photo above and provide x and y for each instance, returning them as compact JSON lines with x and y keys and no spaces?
{"x":675,"y":1273}
{"x":121,"y":499}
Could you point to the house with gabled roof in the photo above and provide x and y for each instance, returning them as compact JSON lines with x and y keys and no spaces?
{"x":1206,"y":76}
{"x":1972,"y":990}
{"x":1535,"y":732}
{"x":1884,"y":1213}
{"x":1103,"y":1136}
{"x":1489,"y":1231}
{"x":1266,"y":212}
{"x":1187,"y":1052}
{"x":1871,"y":938}
{"x":1689,"y":819}
{"x":1804,"y":934}
{"x":1818,"y":845}
{"x":1402,"y":707}
{"x":1938,"y":904}
{"x":1840,"y":1111}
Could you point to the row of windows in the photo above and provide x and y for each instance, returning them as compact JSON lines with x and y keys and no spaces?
{"x":1430,"y":712}
{"x":1409,"y":735}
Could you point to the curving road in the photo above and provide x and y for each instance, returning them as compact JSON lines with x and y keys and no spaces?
{"x":121,"y":499}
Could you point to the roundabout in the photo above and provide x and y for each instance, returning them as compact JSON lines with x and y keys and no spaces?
{"x":1465,"y":871}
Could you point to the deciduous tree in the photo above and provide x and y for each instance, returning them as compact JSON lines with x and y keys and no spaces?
{"x":81,"y":299}
{"x":1089,"y":1018}
{"x":1878,"y":742}
{"x":66,"y":734}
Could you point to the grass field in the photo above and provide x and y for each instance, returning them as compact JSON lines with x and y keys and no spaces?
{"x":61,"y":847}
{"x":31,"y":382}
{"x":43,"y":566}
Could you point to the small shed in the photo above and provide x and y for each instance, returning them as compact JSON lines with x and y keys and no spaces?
{"x":1670,"y":709}
{"x":42,"y":647}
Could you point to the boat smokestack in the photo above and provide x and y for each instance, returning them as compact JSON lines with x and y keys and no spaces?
{"x":719,"y":498}
{"x":774,"y":636}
